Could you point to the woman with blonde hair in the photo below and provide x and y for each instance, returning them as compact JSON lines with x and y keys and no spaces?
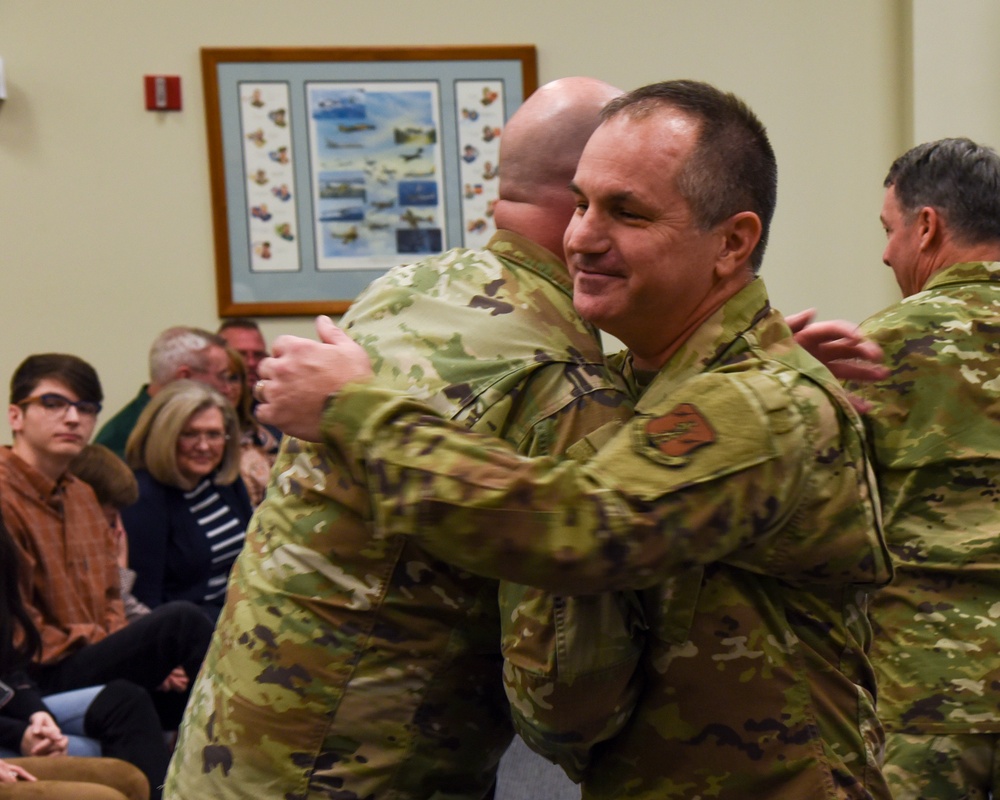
{"x":188,"y":526}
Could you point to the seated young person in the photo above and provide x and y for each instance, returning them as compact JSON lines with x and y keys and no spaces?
{"x":69,"y":578}
{"x":115,"y":720}
{"x":116,"y":488}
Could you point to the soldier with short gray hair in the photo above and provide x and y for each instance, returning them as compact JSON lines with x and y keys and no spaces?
{"x":936,"y":429}
{"x":739,"y":500}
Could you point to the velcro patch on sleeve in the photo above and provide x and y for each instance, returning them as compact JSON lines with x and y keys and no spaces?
{"x":678,"y":432}
{"x":714,"y":425}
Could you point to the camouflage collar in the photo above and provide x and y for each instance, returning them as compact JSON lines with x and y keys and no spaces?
{"x":525,"y":253}
{"x":718,"y":335}
{"x":968,"y":272}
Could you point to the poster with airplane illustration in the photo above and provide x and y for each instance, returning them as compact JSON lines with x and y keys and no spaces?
{"x":377,"y":173}
{"x":331,"y":165}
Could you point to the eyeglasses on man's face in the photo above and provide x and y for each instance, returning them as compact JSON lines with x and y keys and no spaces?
{"x":58,"y":404}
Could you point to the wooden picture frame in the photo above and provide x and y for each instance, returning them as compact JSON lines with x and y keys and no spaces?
{"x":328,"y":166}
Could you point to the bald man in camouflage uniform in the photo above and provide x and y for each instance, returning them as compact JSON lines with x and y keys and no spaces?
{"x":936,"y":426}
{"x":351,"y":667}
{"x":739,"y":499}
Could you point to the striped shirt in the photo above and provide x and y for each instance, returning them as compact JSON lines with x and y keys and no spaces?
{"x":224,"y":530}
{"x":183,"y":543}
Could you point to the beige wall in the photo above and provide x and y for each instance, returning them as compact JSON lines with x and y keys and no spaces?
{"x":104,"y":208}
{"x":956,"y":69}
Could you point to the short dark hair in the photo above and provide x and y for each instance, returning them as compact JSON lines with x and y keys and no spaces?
{"x":732,"y":167}
{"x":245,"y":323}
{"x":956,"y":177}
{"x":71,"y":370}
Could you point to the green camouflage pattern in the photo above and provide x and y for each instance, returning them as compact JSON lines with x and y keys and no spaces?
{"x":935,"y":428}
{"x":346,"y":666}
{"x":740,"y":500}
{"x":948,"y":767}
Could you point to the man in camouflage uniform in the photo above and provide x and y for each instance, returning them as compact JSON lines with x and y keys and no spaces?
{"x":739,"y":499}
{"x":351,"y":667}
{"x":936,"y":429}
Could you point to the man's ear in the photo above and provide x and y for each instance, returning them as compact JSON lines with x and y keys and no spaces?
{"x":740,"y":235}
{"x":15,"y":418}
{"x":928,"y":224}
{"x":183,"y":372}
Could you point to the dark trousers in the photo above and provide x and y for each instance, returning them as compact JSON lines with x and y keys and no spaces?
{"x":122,"y":718}
{"x":143,"y":652}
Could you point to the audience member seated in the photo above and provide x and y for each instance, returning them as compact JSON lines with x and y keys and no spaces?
{"x":116,"y":487}
{"x":78,"y":778}
{"x":258,"y":446}
{"x":68,"y":575}
{"x":176,"y":354}
{"x":189,"y":523}
{"x":116,"y":720}
{"x":244,"y":336}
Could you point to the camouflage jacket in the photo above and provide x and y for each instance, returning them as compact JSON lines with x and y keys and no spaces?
{"x":348,"y":666}
{"x":740,"y":499}
{"x":936,"y":430}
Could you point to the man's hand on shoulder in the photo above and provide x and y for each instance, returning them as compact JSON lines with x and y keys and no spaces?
{"x":841,"y":348}
{"x":301,"y":374}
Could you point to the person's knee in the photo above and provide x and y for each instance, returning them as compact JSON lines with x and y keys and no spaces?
{"x":82,"y":778}
{"x":181,"y":612}
{"x":121,"y":709}
{"x":183,"y":622}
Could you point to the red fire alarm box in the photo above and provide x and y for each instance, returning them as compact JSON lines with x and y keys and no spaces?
{"x":163,"y":93}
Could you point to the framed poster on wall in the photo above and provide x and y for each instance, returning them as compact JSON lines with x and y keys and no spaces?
{"x":330,"y":165}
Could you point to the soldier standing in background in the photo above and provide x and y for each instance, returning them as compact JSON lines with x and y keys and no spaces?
{"x":936,"y":426}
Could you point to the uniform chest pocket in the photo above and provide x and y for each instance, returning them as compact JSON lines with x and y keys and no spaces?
{"x":669,"y":606}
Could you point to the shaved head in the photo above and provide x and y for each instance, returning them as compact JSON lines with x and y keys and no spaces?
{"x":539,"y":151}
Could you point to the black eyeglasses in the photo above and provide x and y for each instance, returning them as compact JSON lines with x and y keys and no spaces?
{"x":58,"y":404}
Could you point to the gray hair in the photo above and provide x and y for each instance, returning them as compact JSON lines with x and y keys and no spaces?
{"x":956,"y":177}
{"x":179,"y":347}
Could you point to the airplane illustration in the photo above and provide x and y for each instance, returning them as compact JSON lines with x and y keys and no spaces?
{"x":333,"y":144}
{"x":411,"y":156}
{"x":347,"y":237}
{"x":413,"y":220}
{"x":356,"y":127}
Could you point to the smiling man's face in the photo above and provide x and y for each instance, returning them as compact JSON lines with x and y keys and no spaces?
{"x":641,"y":266}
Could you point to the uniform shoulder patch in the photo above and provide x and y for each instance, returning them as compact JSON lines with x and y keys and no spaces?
{"x":679,"y":432}
{"x":713,"y":425}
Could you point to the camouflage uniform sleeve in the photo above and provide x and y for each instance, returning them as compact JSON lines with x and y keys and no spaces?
{"x":571,"y":663}
{"x":719,"y":469}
